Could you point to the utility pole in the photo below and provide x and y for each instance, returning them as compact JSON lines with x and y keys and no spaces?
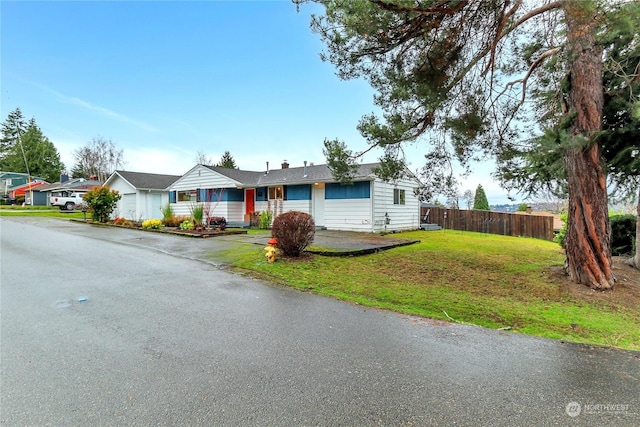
{"x":27,"y":167}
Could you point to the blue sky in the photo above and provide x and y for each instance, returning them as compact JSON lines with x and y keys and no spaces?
{"x":166,"y":80}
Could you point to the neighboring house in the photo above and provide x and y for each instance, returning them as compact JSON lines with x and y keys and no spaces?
{"x":369,"y":204}
{"x":24,"y":192}
{"x":64,"y":187}
{"x":10,"y":180}
{"x":143,"y":194}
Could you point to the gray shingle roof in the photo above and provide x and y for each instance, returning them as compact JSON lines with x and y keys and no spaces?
{"x":72,"y":184}
{"x":148,"y":181}
{"x":291,"y":176}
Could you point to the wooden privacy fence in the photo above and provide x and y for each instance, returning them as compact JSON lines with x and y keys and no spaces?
{"x":507,"y":224}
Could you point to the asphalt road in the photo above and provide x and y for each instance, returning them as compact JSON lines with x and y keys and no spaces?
{"x":165,"y":338}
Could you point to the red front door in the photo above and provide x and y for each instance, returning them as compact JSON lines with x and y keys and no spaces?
{"x":250,"y":200}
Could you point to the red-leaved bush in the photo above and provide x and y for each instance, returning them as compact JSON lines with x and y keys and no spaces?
{"x":294,"y":231}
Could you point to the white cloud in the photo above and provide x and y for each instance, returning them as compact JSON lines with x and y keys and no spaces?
{"x":158,"y":161}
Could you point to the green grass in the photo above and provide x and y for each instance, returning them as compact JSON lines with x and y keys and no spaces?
{"x":40,"y":211}
{"x":4,"y":208}
{"x":486,"y":280}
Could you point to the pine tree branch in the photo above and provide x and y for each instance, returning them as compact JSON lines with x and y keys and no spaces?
{"x":532,"y":68}
{"x":441,"y":8}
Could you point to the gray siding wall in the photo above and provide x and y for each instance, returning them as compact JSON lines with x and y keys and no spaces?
{"x":401,"y":217}
{"x":128,"y":207}
{"x":348,"y":214}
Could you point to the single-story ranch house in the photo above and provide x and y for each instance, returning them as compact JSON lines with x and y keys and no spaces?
{"x":368,"y":204}
{"x":143,"y":194}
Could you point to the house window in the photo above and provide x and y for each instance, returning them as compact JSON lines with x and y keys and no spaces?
{"x":187,"y":196}
{"x":275,"y":193}
{"x":398,"y":196}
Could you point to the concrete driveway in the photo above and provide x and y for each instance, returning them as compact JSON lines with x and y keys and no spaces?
{"x":166,"y":337}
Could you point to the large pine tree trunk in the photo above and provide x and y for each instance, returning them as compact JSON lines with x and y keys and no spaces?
{"x":588,"y":242}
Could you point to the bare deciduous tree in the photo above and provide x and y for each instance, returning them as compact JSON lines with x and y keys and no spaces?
{"x":202,"y":159}
{"x":98,"y":159}
{"x":468,"y":198}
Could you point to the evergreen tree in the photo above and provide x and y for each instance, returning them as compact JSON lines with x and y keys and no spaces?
{"x":461,"y":71}
{"x":227,"y":161}
{"x":14,"y":125}
{"x":30,"y":152}
{"x":340,"y":160}
{"x":480,"y":201}
{"x":540,"y":168}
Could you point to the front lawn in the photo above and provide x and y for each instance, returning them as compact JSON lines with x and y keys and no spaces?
{"x":494,"y":281}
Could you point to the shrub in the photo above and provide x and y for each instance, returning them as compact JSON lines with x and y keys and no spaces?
{"x":152,"y":224}
{"x":102,"y":202}
{"x":294,"y":231}
{"x":561,"y":235}
{"x":623,"y":234}
{"x":218,"y":221}
{"x":265,"y":219}
{"x":170,"y":221}
{"x":186,"y":225}
{"x":174,"y":221}
{"x":122,"y":222}
{"x":254,"y":219}
{"x":197,"y":213}
{"x":167,"y":212}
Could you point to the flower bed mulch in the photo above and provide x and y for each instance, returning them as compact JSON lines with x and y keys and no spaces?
{"x":201,"y":233}
{"x":210,"y":232}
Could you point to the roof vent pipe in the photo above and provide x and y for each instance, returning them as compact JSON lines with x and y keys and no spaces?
{"x":305,"y":168}
{"x":267,"y":168}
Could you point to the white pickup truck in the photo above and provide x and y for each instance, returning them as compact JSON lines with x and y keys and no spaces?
{"x":66,"y":200}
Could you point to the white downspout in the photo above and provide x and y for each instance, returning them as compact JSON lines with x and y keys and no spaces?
{"x":373,"y":206}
